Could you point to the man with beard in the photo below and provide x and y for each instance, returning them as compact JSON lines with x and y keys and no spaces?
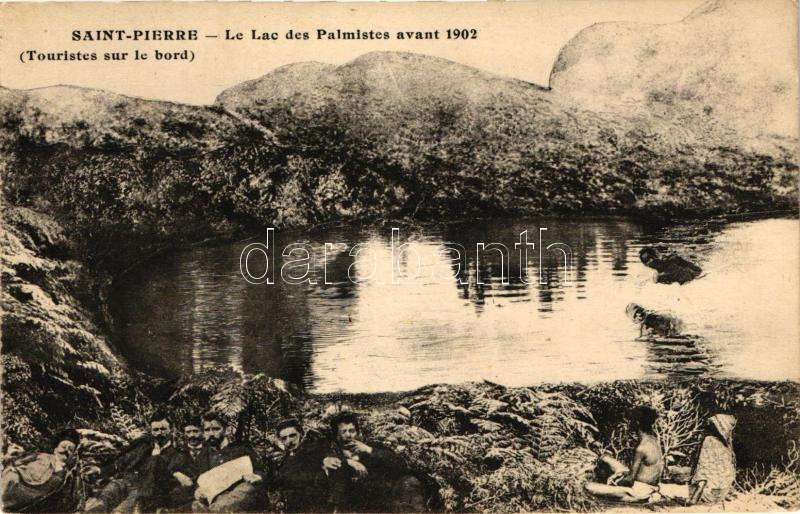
{"x":142,"y":477}
{"x":245,"y":495}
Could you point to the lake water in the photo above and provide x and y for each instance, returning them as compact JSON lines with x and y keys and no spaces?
{"x":182,"y":312}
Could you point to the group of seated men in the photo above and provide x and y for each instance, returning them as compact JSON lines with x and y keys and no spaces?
{"x":210,"y":473}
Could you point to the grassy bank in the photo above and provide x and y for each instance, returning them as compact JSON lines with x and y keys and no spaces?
{"x":484,"y":447}
{"x":58,"y":362}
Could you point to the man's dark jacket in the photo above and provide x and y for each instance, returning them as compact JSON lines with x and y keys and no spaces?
{"x":150,"y":473}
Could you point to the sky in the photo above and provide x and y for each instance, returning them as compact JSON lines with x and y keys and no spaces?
{"x":514,"y":39}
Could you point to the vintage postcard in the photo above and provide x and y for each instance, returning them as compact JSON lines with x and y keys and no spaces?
{"x":400,"y":257}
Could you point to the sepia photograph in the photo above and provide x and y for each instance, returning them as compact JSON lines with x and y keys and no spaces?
{"x":533,"y":256}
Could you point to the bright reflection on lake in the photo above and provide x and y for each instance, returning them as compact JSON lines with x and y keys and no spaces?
{"x":182,"y":312}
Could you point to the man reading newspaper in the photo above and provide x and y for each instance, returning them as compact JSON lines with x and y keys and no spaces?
{"x":230,"y":478}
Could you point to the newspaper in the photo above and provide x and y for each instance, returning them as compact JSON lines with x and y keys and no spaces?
{"x":217,"y":480}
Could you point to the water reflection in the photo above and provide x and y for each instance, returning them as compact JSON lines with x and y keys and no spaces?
{"x":506,"y":317}
{"x":679,"y":357}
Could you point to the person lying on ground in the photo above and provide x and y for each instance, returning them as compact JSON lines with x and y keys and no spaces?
{"x":222,"y":486}
{"x":367,"y":477}
{"x":639,"y":481}
{"x":669,"y":269}
{"x":715,"y":468}
{"x":42,"y":482}
{"x":140,"y":477}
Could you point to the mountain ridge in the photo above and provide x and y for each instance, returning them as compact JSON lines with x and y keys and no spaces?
{"x":399,"y":133}
{"x":691,"y":81}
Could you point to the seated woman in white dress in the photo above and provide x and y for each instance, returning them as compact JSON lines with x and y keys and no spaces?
{"x":715,"y":469}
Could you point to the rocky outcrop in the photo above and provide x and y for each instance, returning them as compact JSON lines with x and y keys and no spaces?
{"x":93,"y":119}
{"x":387,"y":90}
{"x":726,"y":74}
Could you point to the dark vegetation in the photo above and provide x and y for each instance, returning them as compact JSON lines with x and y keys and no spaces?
{"x":484,"y":447}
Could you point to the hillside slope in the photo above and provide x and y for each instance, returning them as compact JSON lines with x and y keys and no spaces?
{"x":89,"y":118}
{"x":391,"y":86}
{"x":443,"y":137}
{"x":57,"y":362}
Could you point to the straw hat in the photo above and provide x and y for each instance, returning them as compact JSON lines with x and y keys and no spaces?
{"x":724,"y":424}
